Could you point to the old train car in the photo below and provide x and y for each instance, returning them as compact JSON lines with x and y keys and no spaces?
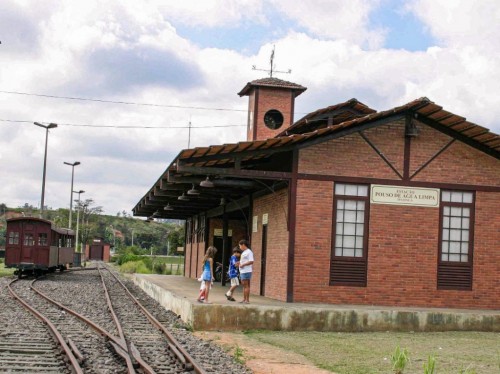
{"x":34,"y":246}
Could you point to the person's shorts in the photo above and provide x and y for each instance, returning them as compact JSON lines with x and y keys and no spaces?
{"x":245,"y":276}
{"x":235,"y":281}
{"x":206,"y":276}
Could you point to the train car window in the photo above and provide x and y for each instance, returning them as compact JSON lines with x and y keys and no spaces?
{"x":28,"y":239}
{"x":13,"y":237}
{"x":68,"y":242}
{"x":42,"y":239}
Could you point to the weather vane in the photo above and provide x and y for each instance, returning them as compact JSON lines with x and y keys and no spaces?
{"x":272,"y":69}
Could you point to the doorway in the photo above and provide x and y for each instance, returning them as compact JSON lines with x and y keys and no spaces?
{"x":263,"y":261}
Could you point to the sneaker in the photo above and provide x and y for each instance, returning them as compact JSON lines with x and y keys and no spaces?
{"x":229,"y":297}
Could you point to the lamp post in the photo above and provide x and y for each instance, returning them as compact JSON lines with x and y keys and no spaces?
{"x":50,"y":126}
{"x":76,"y":163}
{"x":77,"y":217}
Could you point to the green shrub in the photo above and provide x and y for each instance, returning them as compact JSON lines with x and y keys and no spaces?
{"x":134,"y":267}
{"x":147,"y":261}
{"x":399,"y":359}
{"x":430,"y":365}
{"x":159,"y":268}
{"x":127,"y":257}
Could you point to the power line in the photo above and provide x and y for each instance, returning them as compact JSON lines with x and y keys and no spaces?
{"x":124,"y":127}
{"x":127,"y":102}
{"x":120,"y":102}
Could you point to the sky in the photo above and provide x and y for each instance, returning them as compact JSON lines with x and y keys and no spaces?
{"x":146,"y":69}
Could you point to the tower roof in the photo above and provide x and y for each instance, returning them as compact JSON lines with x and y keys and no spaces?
{"x":272,"y":82}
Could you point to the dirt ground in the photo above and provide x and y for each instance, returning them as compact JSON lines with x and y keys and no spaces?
{"x":260,"y":357}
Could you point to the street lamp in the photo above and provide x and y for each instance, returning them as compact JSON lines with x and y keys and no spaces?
{"x":50,"y":126}
{"x":77,"y":217}
{"x":76,"y":163}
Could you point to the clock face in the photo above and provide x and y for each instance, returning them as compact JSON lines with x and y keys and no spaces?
{"x":273,"y":119}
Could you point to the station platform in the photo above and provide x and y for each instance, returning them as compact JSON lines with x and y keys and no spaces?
{"x":179,"y":294}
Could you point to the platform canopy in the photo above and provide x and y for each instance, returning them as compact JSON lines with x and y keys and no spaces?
{"x":210,"y":179}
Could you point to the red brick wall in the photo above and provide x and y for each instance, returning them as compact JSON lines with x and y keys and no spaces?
{"x":276,"y":205}
{"x":460,"y":163}
{"x":486,"y":270}
{"x":194,"y":254}
{"x":272,"y":98}
{"x":425,"y":145}
{"x":251,"y":115}
{"x":313,"y":241}
{"x":350,"y":155}
{"x":238,"y":228}
{"x":403,"y":241}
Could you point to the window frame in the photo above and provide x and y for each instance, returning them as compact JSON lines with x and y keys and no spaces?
{"x":13,"y":238}
{"x":366,"y":199}
{"x":471,"y":206}
{"x":45,"y":241}
{"x":357,"y":267}
{"x":456,"y":275}
{"x":29,"y":239}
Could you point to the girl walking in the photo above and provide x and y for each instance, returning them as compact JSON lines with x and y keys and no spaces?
{"x":207,"y":275}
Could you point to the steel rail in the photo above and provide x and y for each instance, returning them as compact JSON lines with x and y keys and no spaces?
{"x":116,"y":342}
{"x":120,"y":330}
{"x":67,"y":350}
{"x":180,"y":352}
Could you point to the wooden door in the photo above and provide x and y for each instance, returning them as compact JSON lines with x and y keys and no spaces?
{"x":27,"y":239}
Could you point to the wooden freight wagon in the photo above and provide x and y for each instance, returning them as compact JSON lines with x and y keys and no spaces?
{"x":34,"y":246}
{"x":98,"y":250}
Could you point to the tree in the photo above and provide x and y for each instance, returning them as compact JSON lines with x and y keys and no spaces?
{"x":88,"y":214}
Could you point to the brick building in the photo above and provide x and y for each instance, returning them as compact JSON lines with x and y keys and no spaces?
{"x":346,"y":205}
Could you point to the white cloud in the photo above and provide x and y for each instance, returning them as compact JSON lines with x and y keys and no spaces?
{"x":102,"y":50}
{"x":211,"y":13}
{"x":461,"y":23}
{"x":336,"y":19}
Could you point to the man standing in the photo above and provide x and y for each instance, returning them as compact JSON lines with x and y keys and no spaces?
{"x":246,"y":262}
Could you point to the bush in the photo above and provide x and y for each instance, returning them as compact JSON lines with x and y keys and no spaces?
{"x":399,"y":360}
{"x":159,"y":268}
{"x":127,"y":257}
{"x":134,"y":267}
{"x":147,"y":261}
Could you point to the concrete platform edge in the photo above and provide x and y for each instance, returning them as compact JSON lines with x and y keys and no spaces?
{"x":167,"y":299}
{"x":243,"y":317}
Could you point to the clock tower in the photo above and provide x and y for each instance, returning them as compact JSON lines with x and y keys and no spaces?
{"x":270,"y":106}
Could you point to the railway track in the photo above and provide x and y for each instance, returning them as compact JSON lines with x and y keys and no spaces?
{"x":86,"y":345}
{"x":144,"y":333}
{"x":105,"y":328}
{"x":30,"y":343}
{"x":25,"y":343}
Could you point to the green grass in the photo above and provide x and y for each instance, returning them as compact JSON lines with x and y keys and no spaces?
{"x":5,"y":272}
{"x":366,"y":353}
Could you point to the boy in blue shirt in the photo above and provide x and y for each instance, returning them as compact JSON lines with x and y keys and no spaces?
{"x":234,"y":264}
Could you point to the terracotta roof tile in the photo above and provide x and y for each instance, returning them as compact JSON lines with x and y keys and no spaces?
{"x":272,"y":82}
